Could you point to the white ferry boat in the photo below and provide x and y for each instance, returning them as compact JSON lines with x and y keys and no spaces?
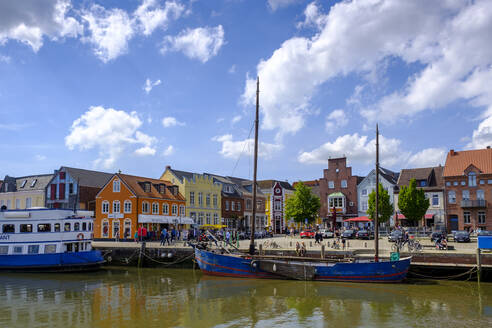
{"x":47,"y":240}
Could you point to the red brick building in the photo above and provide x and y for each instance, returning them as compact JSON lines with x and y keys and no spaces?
{"x":338,"y":189}
{"x":468,"y":186}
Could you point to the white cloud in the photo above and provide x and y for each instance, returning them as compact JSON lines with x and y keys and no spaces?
{"x":220,"y":120}
{"x":336,"y":119}
{"x":111,"y":132}
{"x":236,"y":119}
{"x":145,"y":151}
{"x":313,"y":17}
{"x":276,"y":4}
{"x":201,"y":43}
{"x":111,"y":30}
{"x":482,"y":135}
{"x":232,"y":69}
{"x":5,"y":59}
{"x":168,"y":151}
{"x":151,"y":15}
{"x":149,"y":85}
{"x":361,"y":149}
{"x":171,"y":121}
{"x":359,"y":37}
{"x":234,"y":149}
{"x":29,"y":21}
{"x":40,"y":157}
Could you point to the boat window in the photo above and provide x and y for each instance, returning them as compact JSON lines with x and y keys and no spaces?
{"x":8,"y":228}
{"x":4,"y":250}
{"x":76,"y":226}
{"x":44,"y":227}
{"x":76,"y":247}
{"x":57,"y":227}
{"x":84,"y":226}
{"x":87,"y":246}
{"x":18,"y":249}
{"x":33,"y":249}
{"x":67,"y":226}
{"x":90,"y":226}
{"x":26,"y":228}
{"x":51,"y":248}
{"x":69,"y":247}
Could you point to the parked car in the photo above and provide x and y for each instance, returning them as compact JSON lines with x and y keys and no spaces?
{"x":462,"y":237}
{"x":349,"y":234}
{"x":308,"y":233}
{"x":364,"y":234}
{"x":327,"y":233}
{"x":485,"y":233}
{"x":437,"y":235}
{"x":395,"y":235}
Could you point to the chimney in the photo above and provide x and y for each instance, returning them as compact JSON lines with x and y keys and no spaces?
{"x":488,"y":147}
{"x":168,"y":167}
{"x":451,"y":152}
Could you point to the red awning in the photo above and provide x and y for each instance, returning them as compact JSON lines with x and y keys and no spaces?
{"x":401,"y":217}
{"x":358,"y":219}
{"x":429,"y":216}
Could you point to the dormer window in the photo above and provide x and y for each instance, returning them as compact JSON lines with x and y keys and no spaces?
{"x":116,"y":185}
{"x":147,"y":186}
{"x":33,"y":182}
{"x":472,"y":179}
{"x":162,"y":188}
{"x":23,"y":183}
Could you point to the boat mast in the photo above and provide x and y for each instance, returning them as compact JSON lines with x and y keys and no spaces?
{"x":376,"y":219}
{"x":253,"y":219}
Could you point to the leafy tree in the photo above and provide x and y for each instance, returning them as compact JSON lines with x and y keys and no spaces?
{"x":412,"y":202}
{"x":385,"y":208}
{"x":303,"y":205}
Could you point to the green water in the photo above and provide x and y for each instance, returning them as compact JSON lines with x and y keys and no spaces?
{"x":118,"y":297}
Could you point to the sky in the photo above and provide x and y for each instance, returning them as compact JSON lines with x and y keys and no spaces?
{"x":140,"y":84}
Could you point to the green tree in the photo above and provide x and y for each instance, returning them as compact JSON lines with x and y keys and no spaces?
{"x":385,"y":208}
{"x":303,"y":205}
{"x":412,"y":202}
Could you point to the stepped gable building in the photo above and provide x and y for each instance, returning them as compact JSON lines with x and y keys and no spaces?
{"x":24,"y":192}
{"x":245,"y":187}
{"x":202,"y":194}
{"x":73,"y":188}
{"x":468,"y":187}
{"x":387,"y":178}
{"x":430,"y":179}
{"x":276,"y":193}
{"x":338,"y":190}
{"x":127,"y":202}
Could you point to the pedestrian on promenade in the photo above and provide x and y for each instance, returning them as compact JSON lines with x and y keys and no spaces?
{"x":143,"y":235}
{"x":117,"y":234}
{"x":173,"y":235}
{"x":163,"y":236}
{"x":343,"y":243}
{"x":136,"y":237}
{"x":228,"y":237}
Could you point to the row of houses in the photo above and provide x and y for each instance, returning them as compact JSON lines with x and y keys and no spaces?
{"x":459,"y":192}
{"x":122,"y":203}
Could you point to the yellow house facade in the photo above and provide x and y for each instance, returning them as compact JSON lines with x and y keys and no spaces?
{"x":24,"y":192}
{"x":202,"y":194}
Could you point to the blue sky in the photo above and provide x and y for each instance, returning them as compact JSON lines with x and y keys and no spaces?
{"x":138,"y":85}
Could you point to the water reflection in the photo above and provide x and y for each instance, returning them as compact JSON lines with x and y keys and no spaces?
{"x":185,"y":298}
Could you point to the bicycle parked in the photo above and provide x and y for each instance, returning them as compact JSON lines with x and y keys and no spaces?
{"x":412,"y":245}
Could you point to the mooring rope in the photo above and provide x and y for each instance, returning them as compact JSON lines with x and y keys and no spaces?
{"x":470,"y":272}
{"x":170,"y":263}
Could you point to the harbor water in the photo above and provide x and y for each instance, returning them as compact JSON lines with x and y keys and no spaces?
{"x":130,"y":297}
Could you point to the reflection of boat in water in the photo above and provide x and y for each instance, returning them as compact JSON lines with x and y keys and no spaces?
{"x":47,"y":240}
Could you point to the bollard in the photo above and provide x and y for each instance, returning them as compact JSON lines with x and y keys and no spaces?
{"x":310,"y":244}
{"x":365,"y":244}
{"x":348,"y":244}
{"x":261,"y":249}
{"x":290,"y":244}
{"x":322,"y":251}
{"x":479,"y":265}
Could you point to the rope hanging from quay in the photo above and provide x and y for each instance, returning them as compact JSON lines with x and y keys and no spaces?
{"x":470,"y":272}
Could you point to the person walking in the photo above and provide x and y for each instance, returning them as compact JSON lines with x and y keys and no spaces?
{"x":228,"y":237}
{"x":173,"y":235}
{"x":163,"y":237}
{"x":136,"y":236}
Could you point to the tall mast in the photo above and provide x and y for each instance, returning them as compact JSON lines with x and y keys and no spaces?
{"x":253,"y":219}
{"x":376,"y":219}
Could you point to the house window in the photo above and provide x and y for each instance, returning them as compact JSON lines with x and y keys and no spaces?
{"x":181,"y":210}
{"x":249,"y":204}
{"x":33,"y":182}
{"x":128,"y":206}
{"x":116,"y":185}
{"x":216,"y":218}
{"x":70,"y":188}
{"x":336,"y":202}
{"x":208,"y":218}
{"x":23,"y":184}
{"x":452,"y":197}
{"x":277,"y":205}
{"x":174,"y":210}
{"x":463,"y":183}
{"x":331,"y":184}
{"x":145,"y":207}
{"x":105,"y":229}
{"x":62,"y":175}
{"x":200,"y":218}
{"x":455,"y":183}
{"x":208,"y":200}
{"x":200,"y":199}
{"x":344,"y":184}
{"x":480,"y":194}
{"x":232,"y":206}
{"x":105,"y":207}
{"x":17,"y":203}
{"x":226,"y":205}
{"x":448,"y":183}
{"x":364,"y":205}
{"x":215,"y":200}
{"x":481,"y":217}
{"x":116,"y":206}
{"x":28,"y":202}
{"x":482,"y":182}
{"x":467,"y":217}
{"x":364,"y":192}
{"x":238,"y":206}
{"x":127,"y":233}
{"x":155,"y":208}
{"x":422,"y":183}
{"x":435,"y":200}
{"x":192,"y":198}
{"x":165,"y":209}
{"x":466,"y":194}
{"x":489,"y":181}
{"x":472,"y":179}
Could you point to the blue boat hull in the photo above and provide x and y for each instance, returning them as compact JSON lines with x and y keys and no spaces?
{"x":73,"y":261}
{"x":235,"y":266}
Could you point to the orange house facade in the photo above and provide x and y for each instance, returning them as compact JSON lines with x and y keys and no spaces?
{"x":128,"y":202}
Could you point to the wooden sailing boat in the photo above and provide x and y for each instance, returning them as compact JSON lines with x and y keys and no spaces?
{"x":252,"y":265}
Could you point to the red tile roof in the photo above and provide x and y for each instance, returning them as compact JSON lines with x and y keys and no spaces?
{"x":136,"y":185}
{"x":458,"y":161}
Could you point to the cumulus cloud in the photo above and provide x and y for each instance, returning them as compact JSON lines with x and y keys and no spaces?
{"x":149,"y":85}
{"x":482,"y":135}
{"x":168,"y":151}
{"x":171,"y":121}
{"x":234,"y":149}
{"x":361,"y":149}
{"x":313,"y":17}
{"x":150,"y":15}
{"x":201,"y":43}
{"x":276,"y":4}
{"x":111,"y":132}
{"x":336,"y":119}
{"x":5,"y":59}
{"x":359,"y":36}
{"x":29,"y":21}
